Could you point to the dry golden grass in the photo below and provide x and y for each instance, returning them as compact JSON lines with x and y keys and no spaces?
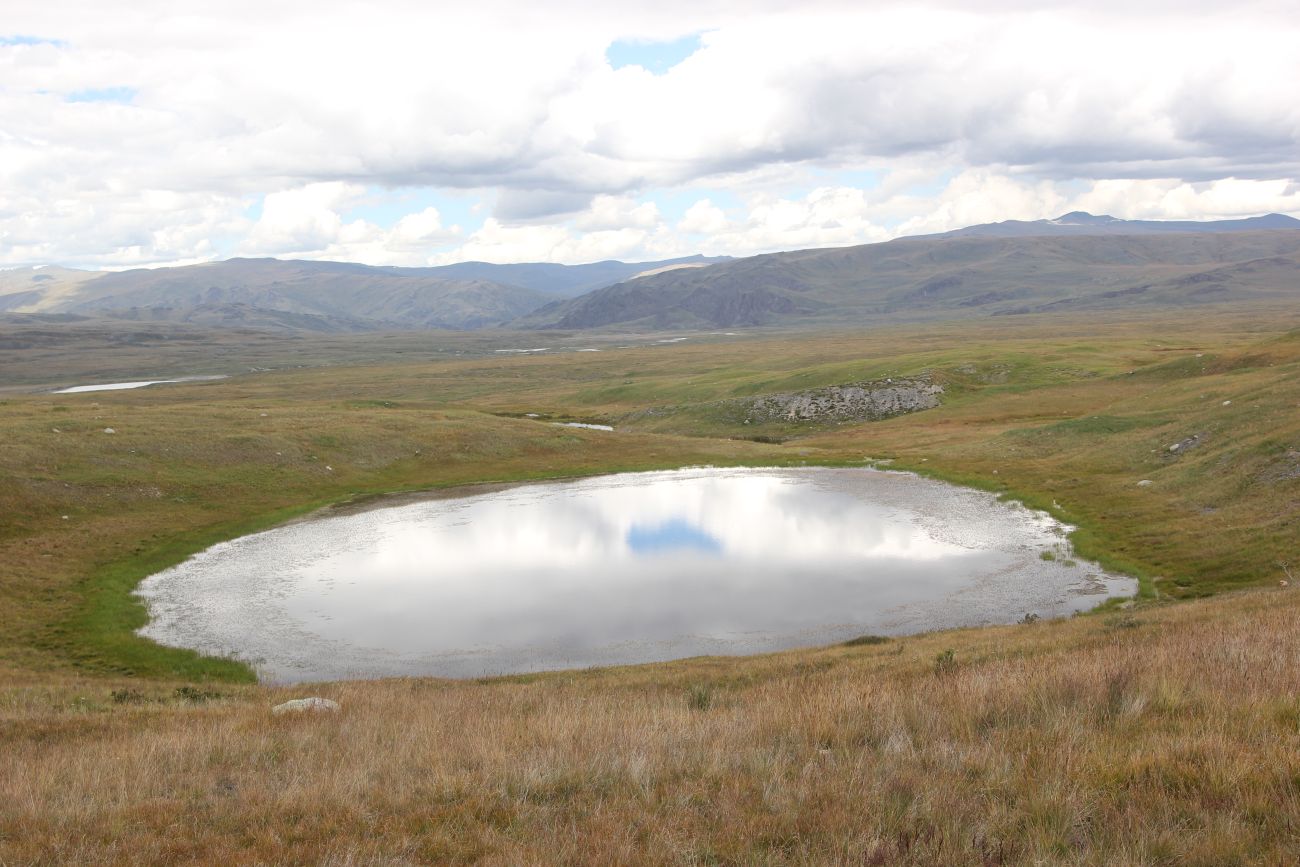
{"x":1167,"y":736}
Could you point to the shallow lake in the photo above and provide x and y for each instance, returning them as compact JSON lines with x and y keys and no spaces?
{"x":119,"y":386}
{"x":619,"y":569}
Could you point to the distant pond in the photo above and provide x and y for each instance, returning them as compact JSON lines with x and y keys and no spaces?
{"x":618,"y":569}
{"x":139,"y":383}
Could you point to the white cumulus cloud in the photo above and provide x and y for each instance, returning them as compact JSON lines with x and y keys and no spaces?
{"x":1015,"y":108}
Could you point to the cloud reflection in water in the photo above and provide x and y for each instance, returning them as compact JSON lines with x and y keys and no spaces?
{"x":616,"y":569}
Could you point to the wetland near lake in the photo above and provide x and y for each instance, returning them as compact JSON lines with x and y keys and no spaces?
{"x":619,"y":569}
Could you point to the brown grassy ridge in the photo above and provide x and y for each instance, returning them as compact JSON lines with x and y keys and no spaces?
{"x":1169,"y":735}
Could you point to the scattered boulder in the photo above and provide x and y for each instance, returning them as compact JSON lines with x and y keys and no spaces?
{"x":1145,"y":483}
{"x":1187,"y":444}
{"x":109,"y":430}
{"x":315,"y":704}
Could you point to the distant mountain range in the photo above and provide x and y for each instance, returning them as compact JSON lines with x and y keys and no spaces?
{"x":1083,"y":223}
{"x":1076,"y":261}
{"x":314,"y":296}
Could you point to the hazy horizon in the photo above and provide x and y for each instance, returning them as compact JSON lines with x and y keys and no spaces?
{"x":152,"y":265}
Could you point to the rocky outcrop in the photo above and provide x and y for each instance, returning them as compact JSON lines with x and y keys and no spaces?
{"x":863,"y":401}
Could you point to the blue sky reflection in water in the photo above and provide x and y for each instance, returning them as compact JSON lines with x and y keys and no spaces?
{"x":673,"y":535}
{"x":619,"y":569}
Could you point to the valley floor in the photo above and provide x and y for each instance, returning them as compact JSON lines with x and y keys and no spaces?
{"x":1162,"y":733}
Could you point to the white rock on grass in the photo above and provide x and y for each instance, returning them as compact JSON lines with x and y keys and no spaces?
{"x":315,"y":704}
{"x":1145,"y":483}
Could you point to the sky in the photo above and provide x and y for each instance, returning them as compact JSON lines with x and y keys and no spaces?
{"x":424,"y":133}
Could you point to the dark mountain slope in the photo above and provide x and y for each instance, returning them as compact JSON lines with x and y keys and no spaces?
{"x":312,"y":295}
{"x":558,"y":281}
{"x":1083,"y":223}
{"x":918,"y":278}
{"x":334,"y":290}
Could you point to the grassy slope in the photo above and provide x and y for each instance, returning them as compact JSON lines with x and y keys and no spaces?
{"x":1043,"y":742}
{"x":1170,"y":736}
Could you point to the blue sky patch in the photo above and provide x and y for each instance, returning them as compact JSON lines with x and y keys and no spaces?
{"x":672,"y":536}
{"x":30,"y":40}
{"x":654,"y":57}
{"x":102,"y":94}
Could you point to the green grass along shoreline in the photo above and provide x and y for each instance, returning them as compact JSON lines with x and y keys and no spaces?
{"x":101,"y":635}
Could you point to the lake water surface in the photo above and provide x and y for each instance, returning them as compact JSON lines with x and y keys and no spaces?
{"x":619,"y":569}
{"x":141,"y":383}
